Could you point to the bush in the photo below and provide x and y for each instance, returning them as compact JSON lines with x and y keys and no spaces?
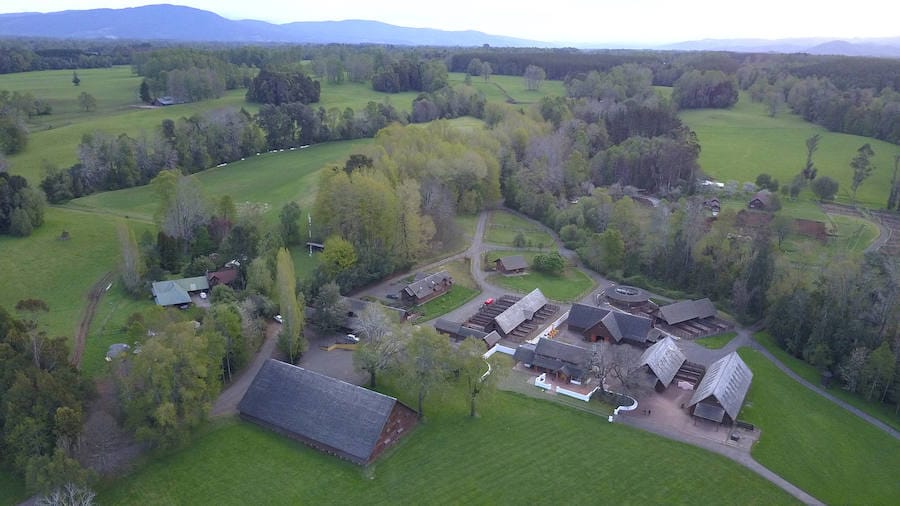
{"x":825,"y":188}
{"x":551,"y":263}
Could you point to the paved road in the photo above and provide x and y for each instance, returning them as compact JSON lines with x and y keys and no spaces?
{"x":228,"y":400}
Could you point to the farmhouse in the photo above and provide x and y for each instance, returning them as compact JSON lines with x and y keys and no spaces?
{"x":597,"y":324}
{"x":761,"y":200}
{"x":427,"y":288}
{"x":664,"y":359}
{"x":514,"y":264}
{"x":567,"y":362}
{"x":325,"y":413}
{"x":223,"y":277}
{"x":722,"y":390}
{"x":178,"y":291}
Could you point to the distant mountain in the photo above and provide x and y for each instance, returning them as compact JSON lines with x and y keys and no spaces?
{"x":171,"y":22}
{"x":889,"y":47}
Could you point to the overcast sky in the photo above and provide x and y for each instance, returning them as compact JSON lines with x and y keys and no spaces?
{"x":576,"y":21}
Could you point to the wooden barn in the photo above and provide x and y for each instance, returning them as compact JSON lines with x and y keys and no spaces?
{"x":597,"y":324}
{"x":664,"y":359}
{"x":514,"y":264}
{"x":328,"y":414}
{"x":427,"y":288}
{"x":567,"y":362}
{"x":761,"y":200}
{"x":722,"y":390}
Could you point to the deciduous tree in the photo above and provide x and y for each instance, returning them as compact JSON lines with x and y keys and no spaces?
{"x":862,"y":167}
{"x":291,"y":339}
{"x":381,"y":343}
{"x":425,"y":362}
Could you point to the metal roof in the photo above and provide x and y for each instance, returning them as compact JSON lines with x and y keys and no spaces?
{"x":521,"y":311}
{"x":664,"y":359}
{"x":422,"y":287}
{"x":687,"y":310}
{"x":193,"y":284}
{"x":169,"y":293}
{"x":513,"y":262}
{"x":492,"y":339}
{"x":727,"y":380}
{"x":319,"y":408}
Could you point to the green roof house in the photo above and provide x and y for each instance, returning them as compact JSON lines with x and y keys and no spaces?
{"x":178,"y":291}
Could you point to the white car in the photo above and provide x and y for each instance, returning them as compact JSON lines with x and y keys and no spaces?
{"x":351,"y":339}
{"x":279,"y":319}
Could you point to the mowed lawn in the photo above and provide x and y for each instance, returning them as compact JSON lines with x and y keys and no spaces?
{"x":60,"y":272}
{"x":884,"y":412}
{"x":742,"y":142}
{"x":716,"y":342}
{"x":503,"y":227}
{"x":514,"y":453}
{"x":816,"y":445}
{"x":270,"y":179}
{"x":513,"y":86}
{"x":463,"y":290}
{"x":569,"y":286}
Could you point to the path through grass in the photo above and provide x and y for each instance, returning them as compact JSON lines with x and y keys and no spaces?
{"x":816,"y":445}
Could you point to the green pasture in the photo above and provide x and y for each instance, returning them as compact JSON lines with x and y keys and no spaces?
{"x":510,"y":454}
{"x":816,"y":445}
{"x":742,"y":142}
{"x":502,"y":228}
{"x":883,"y":412}
{"x":501,"y":88}
{"x":716,"y":342}
{"x":60,"y":272}
{"x":570,"y":286}
{"x":108,"y":326}
{"x":269,"y":180}
{"x":357,"y":95}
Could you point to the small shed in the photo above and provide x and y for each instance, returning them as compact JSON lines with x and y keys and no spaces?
{"x":514,"y":264}
{"x":328,"y":414}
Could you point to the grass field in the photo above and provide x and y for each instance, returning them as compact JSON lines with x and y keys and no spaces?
{"x":511,"y":454}
{"x":883,"y":412}
{"x":716,"y":342}
{"x":60,"y":272}
{"x":108,"y":327}
{"x":502,"y":228}
{"x":815,"y":444}
{"x":568,"y":287}
{"x":742,"y":142}
{"x":271,"y":179}
{"x":501,"y":88}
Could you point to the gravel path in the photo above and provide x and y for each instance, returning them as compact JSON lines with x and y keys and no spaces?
{"x":228,"y":400}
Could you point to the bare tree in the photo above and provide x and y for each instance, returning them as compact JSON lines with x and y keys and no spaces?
{"x":534,"y":77}
{"x":69,"y":494}
{"x":36,"y":335}
{"x":382,"y":342}
{"x":132,"y":265}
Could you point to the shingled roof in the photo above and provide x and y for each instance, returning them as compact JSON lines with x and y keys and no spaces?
{"x":687,"y":310}
{"x":513,"y":262}
{"x":664,"y":359}
{"x":423,"y":287}
{"x":583,"y":317}
{"x":343,"y":418}
{"x":523,"y":310}
{"x":620,"y":325}
{"x":457,"y":330}
{"x":727,"y":380}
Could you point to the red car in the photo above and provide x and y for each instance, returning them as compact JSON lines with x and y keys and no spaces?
{"x":489,"y":301}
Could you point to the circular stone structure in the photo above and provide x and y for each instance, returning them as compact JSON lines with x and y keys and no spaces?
{"x":626,"y":295}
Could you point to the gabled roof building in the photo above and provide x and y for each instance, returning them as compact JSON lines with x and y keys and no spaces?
{"x":664,"y":359}
{"x":722,"y":390}
{"x":596,"y":324}
{"x":427,"y":288}
{"x":513,"y":264}
{"x":566,"y":361}
{"x":325,"y":413}
{"x":686,"y":310}
{"x":523,"y":310}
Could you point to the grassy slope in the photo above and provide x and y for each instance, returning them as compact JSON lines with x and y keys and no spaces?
{"x":883,"y":412}
{"x":502,"y":228}
{"x":518,"y":450}
{"x":270,"y":178}
{"x":742,"y":142}
{"x":815,"y":444}
{"x":59,"y":272}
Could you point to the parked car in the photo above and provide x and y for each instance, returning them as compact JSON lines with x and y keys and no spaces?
{"x":489,"y":301}
{"x":351,"y":339}
{"x":278,"y":318}
{"x":393,"y":296}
